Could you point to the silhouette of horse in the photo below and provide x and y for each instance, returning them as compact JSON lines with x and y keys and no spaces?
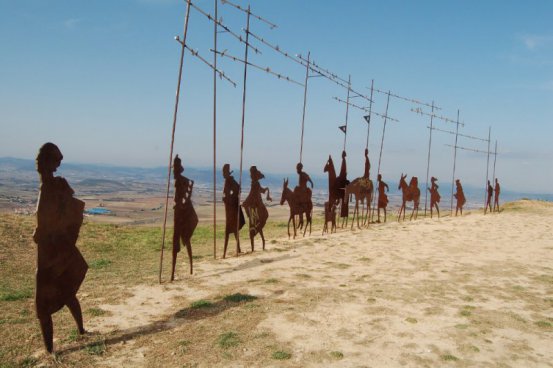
{"x":336,"y":185}
{"x":410,"y":193}
{"x":330,"y":216}
{"x":296,"y":208}
{"x":362,"y":189}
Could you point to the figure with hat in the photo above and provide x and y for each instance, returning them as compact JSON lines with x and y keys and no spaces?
{"x":496,"y":197}
{"x":233,"y":214}
{"x":255,"y":208}
{"x":460,"y":196}
{"x":61,"y":268}
{"x":185,"y":218}
{"x":341,"y":182}
{"x":434,"y":196}
{"x":489,"y":198}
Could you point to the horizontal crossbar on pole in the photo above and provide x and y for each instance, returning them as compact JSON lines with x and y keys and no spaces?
{"x":459,"y":134}
{"x":220,"y":24}
{"x":365,"y":109}
{"x":270,"y":24}
{"x":471,"y":149}
{"x":421,"y":112}
{"x":265,"y":69}
{"x":407,"y":99}
{"x":219,"y":72}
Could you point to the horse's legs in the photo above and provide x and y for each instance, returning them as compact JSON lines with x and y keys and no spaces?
{"x":400,"y":209}
{"x":437,"y":210}
{"x":293,"y":223}
{"x":290,"y":219}
{"x":226,"y":244}
{"x":384,"y":214}
{"x":174,"y":263}
{"x":262,"y":238}
{"x":252,"y":235}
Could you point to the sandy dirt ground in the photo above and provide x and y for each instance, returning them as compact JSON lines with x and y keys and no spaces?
{"x":457,"y":291}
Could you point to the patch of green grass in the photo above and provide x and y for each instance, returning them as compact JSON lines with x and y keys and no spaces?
{"x":474,"y":348}
{"x":365,"y":259}
{"x":467,"y":298}
{"x":96,"y":348}
{"x":96,"y":312}
{"x":99,"y":263}
{"x":336,"y":354}
{"x":281,"y":355}
{"x":461,"y":326}
{"x":371,"y":300}
{"x":271,"y":281}
{"x":228,"y":340}
{"x":543,"y":324}
{"x":201,"y":304}
{"x":467,"y":310}
{"x":183,"y":346}
{"x":449,"y":358}
{"x":27,"y":362}
{"x":239,"y":297}
{"x":73,"y":335}
{"x":411,"y":320}
{"x":303,"y":275}
{"x":12,"y":296}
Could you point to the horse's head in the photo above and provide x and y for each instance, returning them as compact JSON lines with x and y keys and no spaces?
{"x":284,"y":191}
{"x":402,"y":182}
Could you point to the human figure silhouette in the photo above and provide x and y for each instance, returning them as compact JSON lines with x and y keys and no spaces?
{"x":489,"y":198}
{"x":367,"y":172}
{"x":185,"y":218}
{"x":382,"y":197}
{"x":255,"y":208}
{"x":496,"y":198}
{"x":342,"y":182}
{"x":234,"y":217}
{"x":434,"y":196}
{"x":302,"y":192}
{"x":460,"y":196}
{"x":61,"y":268}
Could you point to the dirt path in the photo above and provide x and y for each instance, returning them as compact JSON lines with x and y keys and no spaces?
{"x":469,"y":291}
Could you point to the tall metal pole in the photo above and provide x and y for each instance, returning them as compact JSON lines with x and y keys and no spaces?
{"x":383,"y":131}
{"x":215,"y":133}
{"x":347,"y":111}
{"x":243,"y":121}
{"x":177,"y":94}
{"x":370,"y":112}
{"x":487,"y":169}
{"x":454,"y":161}
{"x":494,"y":161}
{"x":428,"y":159}
{"x":304,"y":103}
{"x":381,"y":146}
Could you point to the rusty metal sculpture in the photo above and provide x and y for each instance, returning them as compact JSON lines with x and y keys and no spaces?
{"x":460,"y":196}
{"x":234,"y":217}
{"x":434,"y":196}
{"x":303,"y":194}
{"x":255,"y":208}
{"x":489,"y":198}
{"x":61,"y":268}
{"x":496,"y":197}
{"x":362,"y":189}
{"x":334,"y":192}
{"x":185,"y":218}
{"x":410,"y":193}
{"x":330,"y":216}
{"x":341,"y":182}
{"x":298,"y":206}
{"x":382,"y":197}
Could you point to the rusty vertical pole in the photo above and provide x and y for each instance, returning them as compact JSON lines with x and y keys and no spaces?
{"x":454,"y":160}
{"x":487,"y":169}
{"x":215,"y":132}
{"x":243,"y":120}
{"x":304,"y":103}
{"x":370,"y":112}
{"x":494,"y":161}
{"x":428,"y":159}
{"x":347,"y":111}
{"x":177,"y":94}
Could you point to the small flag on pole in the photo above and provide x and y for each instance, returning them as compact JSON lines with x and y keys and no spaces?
{"x":343,"y":128}
{"x":367,"y":118}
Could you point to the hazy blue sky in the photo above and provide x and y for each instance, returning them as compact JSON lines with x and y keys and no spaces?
{"x":98,"y":78}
